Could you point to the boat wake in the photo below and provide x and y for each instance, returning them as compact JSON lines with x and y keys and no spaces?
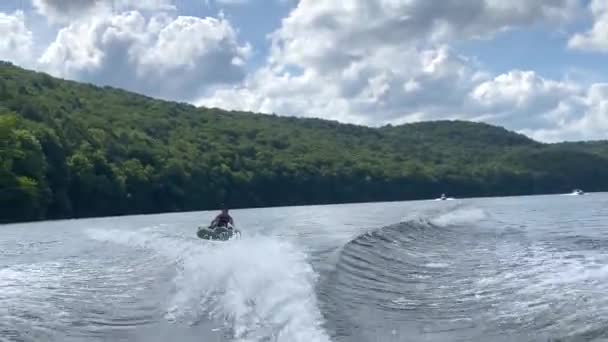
{"x":460,"y":275}
{"x":252,"y":289}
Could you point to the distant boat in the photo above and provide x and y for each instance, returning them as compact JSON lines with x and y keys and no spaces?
{"x":444,"y":198}
{"x":578,"y":192}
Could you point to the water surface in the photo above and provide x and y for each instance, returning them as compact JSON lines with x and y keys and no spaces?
{"x":502,"y":269}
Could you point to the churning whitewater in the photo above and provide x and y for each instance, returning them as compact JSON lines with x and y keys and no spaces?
{"x":251,"y":290}
{"x":505,"y":269}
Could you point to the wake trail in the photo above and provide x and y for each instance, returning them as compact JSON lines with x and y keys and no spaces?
{"x":254,"y":289}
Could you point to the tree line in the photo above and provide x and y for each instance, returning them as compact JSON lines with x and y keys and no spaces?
{"x":76,"y":150}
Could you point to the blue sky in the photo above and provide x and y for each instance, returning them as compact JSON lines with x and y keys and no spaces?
{"x":537,"y":49}
{"x":534,"y":66}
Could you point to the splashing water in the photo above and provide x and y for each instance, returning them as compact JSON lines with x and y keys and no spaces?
{"x":459,"y":217}
{"x":255,"y":289}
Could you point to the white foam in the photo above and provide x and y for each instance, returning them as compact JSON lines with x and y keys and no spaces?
{"x":26,"y":277}
{"x":459,"y":217}
{"x":9,"y":281}
{"x":547,"y":282}
{"x":260,"y":288}
{"x":404,"y":302}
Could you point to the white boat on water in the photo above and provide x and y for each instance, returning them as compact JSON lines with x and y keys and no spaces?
{"x":444,"y":198}
{"x":577,"y":192}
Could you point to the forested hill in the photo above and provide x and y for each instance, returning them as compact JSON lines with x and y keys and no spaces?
{"x":76,"y":150}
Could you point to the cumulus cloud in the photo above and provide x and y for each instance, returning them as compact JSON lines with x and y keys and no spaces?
{"x":424,"y":84}
{"x":362,"y":61}
{"x":163,"y":56}
{"x":329,"y":34}
{"x":60,"y":11}
{"x":380,"y":61}
{"x":232,"y":2}
{"x":596,"y":39}
{"x":579,"y":117}
{"x":389,"y":61}
{"x":65,"y":11}
{"x":522,"y":99}
{"x":546,"y":110}
{"x":17,"y":40}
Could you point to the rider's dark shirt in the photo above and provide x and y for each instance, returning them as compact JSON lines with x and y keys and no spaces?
{"x":223,"y":219}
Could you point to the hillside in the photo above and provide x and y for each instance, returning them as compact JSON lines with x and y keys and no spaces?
{"x":75,"y":150}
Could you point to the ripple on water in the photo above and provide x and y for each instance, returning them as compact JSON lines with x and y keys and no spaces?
{"x":44,"y":301}
{"x":474,"y":280}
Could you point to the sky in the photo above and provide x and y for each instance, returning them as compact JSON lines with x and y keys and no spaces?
{"x":537,"y":67}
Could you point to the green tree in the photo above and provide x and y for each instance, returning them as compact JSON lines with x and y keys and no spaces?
{"x":76,"y":150}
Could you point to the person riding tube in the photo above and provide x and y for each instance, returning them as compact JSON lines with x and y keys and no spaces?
{"x":223,"y":219}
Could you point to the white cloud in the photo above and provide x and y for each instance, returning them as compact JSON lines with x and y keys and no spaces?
{"x":370,"y":92}
{"x":596,"y":39}
{"x":327,"y":34}
{"x":595,"y":121}
{"x":577,"y":118}
{"x":17,"y":40}
{"x":66,"y":11}
{"x":374,"y":62}
{"x":522,"y":99}
{"x":61,"y":10}
{"x":381,"y":59}
{"x":362,"y":61}
{"x":232,"y":2}
{"x":520,"y":89}
{"x":544,"y":109}
{"x":164,"y":56}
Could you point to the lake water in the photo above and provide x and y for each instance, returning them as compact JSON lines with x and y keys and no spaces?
{"x":501,"y":269}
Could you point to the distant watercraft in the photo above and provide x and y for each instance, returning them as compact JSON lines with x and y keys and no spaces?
{"x":577,"y":192}
{"x":444,"y":198}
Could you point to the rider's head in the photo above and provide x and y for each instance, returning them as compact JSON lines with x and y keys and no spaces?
{"x":224,"y":210}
